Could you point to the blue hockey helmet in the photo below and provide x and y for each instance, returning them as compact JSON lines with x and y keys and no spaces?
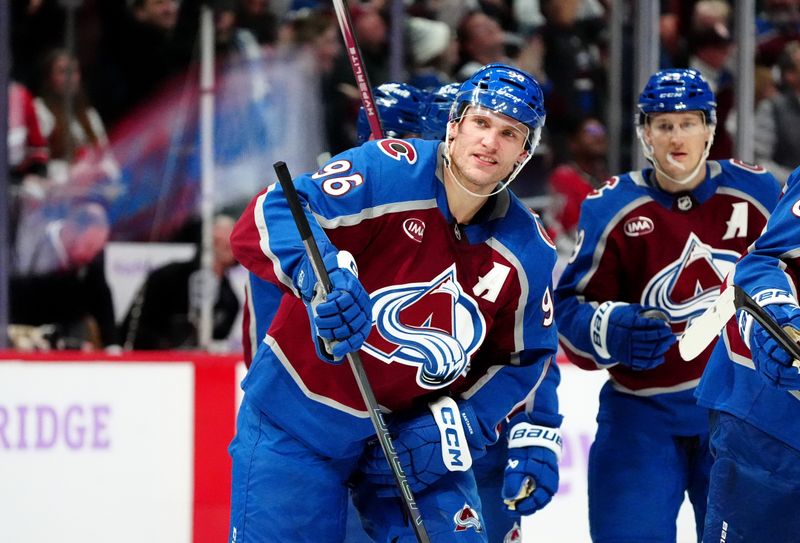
{"x":436,"y":111}
{"x":399,"y":107}
{"x":507,"y":90}
{"x":676,"y":90}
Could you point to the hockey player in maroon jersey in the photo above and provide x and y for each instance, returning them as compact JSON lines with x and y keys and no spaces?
{"x":653,"y":247}
{"x":451,"y":309}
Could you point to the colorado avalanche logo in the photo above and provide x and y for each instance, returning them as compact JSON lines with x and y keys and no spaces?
{"x":467,"y":518}
{"x":514,"y":535}
{"x":688,"y":286}
{"x":435,"y":326}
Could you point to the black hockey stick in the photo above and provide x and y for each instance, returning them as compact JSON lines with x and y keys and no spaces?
{"x":786,"y":337}
{"x":359,"y":70}
{"x":301,"y":221}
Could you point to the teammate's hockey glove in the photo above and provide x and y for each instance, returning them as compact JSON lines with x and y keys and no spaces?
{"x":634,"y":335}
{"x":772,"y":362}
{"x":447,"y":438}
{"x":341,"y":320}
{"x":531,"y":474}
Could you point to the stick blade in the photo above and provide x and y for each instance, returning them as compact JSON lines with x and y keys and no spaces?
{"x":706,"y":328}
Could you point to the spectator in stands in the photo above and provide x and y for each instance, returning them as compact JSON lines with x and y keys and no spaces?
{"x":59,"y":277}
{"x":256,"y":16}
{"x":777,"y":121}
{"x":27,"y":151}
{"x":313,"y":32}
{"x":372,"y":30}
{"x":673,"y":44}
{"x":139,"y":55}
{"x":531,"y":56}
{"x":450,"y":12}
{"x":27,"y":148}
{"x":776,"y":25}
{"x":48,"y":244}
{"x":482,"y":41}
{"x":572,"y":181}
{"x":187,"y":28}
{"x":433,"y":53}
{"x":710,"y":49}
{"x":765,"y":84}
{"x":165,"y":313}
{"x":35,"y":27}
{"x":72,"y":126}
{"x":318,"y":28}
{"x":157,"y":13}
{"x":573,"y":64}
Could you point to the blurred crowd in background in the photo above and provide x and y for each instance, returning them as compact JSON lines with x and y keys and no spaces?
{"x":103,"y":128}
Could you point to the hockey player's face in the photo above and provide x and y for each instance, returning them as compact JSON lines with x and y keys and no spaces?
{"x":678,"y":140}
{"x":485,"y":147}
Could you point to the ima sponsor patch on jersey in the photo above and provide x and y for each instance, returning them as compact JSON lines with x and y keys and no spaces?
{"x":687,"y":286}
{"x":435,"y":326}
{"x":414,"y":228}
{"x":638,"y":226}
{"x":467,"y":518}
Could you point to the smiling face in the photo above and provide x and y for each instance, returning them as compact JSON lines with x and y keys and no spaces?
{"x":678,"y":141}
{"x":485,"y":146}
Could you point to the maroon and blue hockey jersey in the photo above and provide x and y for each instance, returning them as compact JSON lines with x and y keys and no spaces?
{"x":464,"y":310}
{"x":639,"y":244}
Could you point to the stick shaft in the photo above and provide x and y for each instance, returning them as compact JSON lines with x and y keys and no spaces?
{"x":359,"y":69}
{"x":353,"y":358}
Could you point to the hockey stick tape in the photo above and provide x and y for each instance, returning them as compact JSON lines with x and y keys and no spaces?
{"x":455,"y":449}
{"x":525,"y":434}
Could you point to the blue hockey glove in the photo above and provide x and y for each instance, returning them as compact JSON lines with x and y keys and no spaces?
{"x":445,"y":439}
{"x":531,"y":474}
{"x":772,"y":362}
{"x":341,"y":320}
{"x":631,"y":334}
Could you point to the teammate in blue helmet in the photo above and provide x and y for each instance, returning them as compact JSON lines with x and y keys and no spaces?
{"x":436,"y":111}
{"x":399,"y":108}
{"x":653,"y":247}
{"x":676,"y":91}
